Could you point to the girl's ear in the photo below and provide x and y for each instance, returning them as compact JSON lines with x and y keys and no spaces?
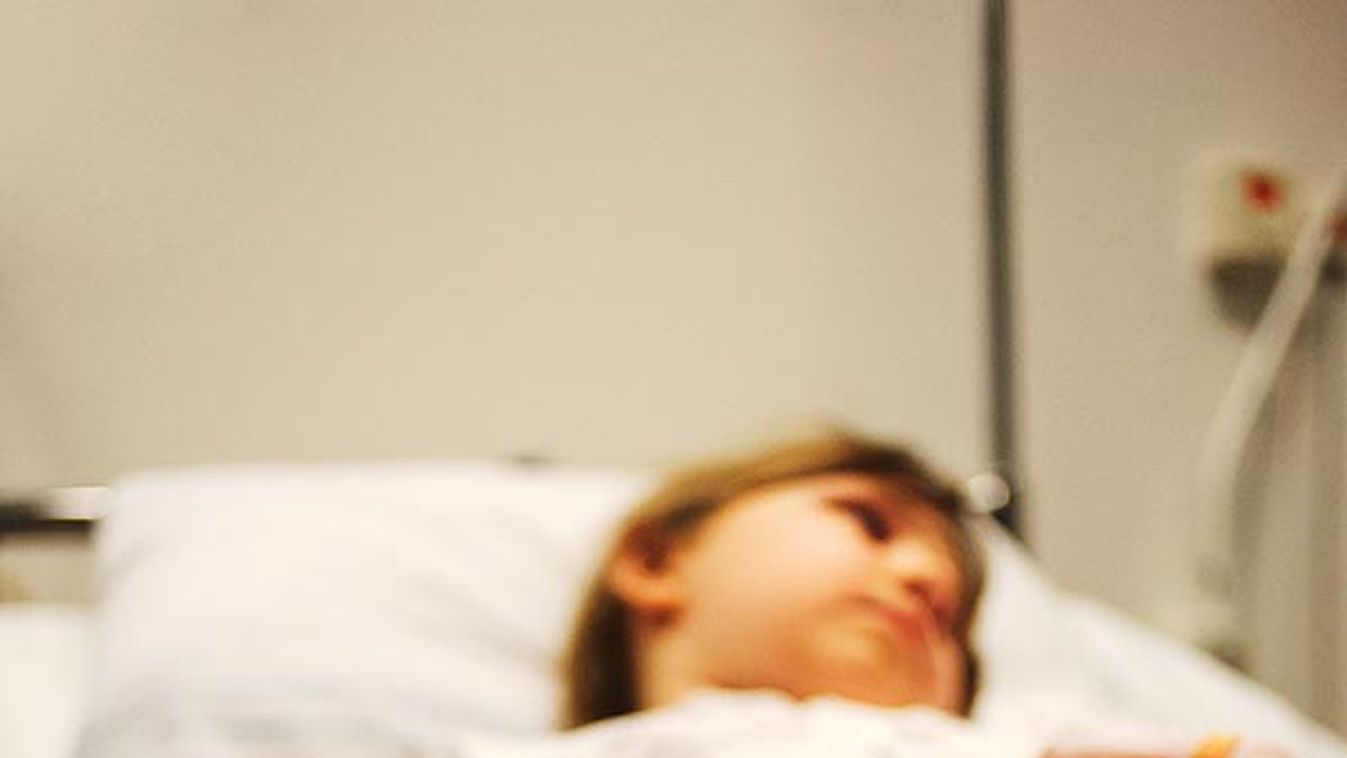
{"x":644,"y":575}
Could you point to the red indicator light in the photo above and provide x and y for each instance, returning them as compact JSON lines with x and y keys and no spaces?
{"x":1263,"y":192}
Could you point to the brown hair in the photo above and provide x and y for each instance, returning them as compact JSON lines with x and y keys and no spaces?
{"x":599,"y":665}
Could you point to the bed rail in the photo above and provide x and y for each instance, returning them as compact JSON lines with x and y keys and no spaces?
{"x":61,"y":510}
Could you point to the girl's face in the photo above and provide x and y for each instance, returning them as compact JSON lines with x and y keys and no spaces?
{"x":831,"y":584}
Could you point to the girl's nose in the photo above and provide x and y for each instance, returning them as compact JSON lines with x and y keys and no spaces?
{"x":925,"y":571}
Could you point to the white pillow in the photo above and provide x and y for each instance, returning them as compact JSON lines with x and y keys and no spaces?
{"x":368,"y":591}
{"x":394,"y":603}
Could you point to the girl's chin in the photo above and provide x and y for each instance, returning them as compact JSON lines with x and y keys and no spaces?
{"x":877,"y":686}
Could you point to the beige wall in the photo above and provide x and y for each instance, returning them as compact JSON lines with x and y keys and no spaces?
{"x":615,"y":231}
{"x":598,"y":231}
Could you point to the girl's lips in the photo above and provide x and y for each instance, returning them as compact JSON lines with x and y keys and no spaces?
{"x":907,"y":621}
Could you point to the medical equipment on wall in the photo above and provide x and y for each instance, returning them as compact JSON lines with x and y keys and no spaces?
{"x":1319,"y":238}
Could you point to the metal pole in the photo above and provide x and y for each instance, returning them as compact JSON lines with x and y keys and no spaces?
{"x":1000,"y":332}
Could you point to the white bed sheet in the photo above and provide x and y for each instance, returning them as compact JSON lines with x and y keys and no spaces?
{"x":44,"y":657}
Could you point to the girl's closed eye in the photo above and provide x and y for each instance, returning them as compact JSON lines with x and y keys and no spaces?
{"x":877,"y":525}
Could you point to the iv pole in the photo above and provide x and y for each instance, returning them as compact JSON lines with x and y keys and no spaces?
{"x":1001,"y":484}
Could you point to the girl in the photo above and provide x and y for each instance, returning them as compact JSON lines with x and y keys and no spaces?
{"x":836,"y":566}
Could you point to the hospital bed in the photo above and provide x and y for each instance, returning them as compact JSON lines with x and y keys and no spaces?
{"x":382,"y":609}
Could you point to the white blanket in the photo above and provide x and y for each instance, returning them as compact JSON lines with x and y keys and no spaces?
{"x":709,"y":724}
{"x":749,"y":725}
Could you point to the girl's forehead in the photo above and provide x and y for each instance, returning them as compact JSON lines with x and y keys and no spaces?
{"x":889,"y":490}
{"x":889,"y":493}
